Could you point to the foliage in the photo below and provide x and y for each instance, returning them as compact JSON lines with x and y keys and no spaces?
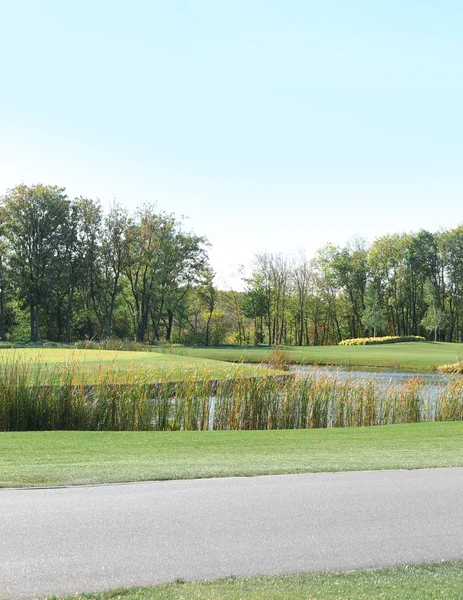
{"x":388,"y":339}
{"x":84,"y":275}
{"x":69,"y":272}
{"x":374,"y":314}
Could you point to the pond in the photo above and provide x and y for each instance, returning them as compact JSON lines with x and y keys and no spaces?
{"x":380,"y":376}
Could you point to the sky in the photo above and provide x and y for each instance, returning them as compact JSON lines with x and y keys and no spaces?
{"x":272,"y":126}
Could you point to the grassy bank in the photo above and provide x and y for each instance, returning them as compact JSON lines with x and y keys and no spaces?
{"x":406,"y":356}
{"x":423,"y":582}
{"x":82,"y":457}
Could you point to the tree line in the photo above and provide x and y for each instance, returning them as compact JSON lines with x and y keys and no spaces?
{"x":70,"y":272}
{"x":402,"y":284}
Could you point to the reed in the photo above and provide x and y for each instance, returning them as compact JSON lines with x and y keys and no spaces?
{"x":35,"y":396}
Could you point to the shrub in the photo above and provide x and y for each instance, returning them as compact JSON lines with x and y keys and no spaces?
{"x":454,"y":369}
{"x":388,"y":339}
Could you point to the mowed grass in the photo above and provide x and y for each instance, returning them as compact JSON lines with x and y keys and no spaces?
{"x":81,"y":457}
{"x":123,"y":365}
{"x":442,"y":581}
{"x":410,"y":356}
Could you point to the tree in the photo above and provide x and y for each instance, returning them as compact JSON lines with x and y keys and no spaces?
{"x":374,"y":315}
{"x":271,"y":282}
{"x":78,"y":236}
{"x":435,"y":318}
{"x":255,"y":307}
{"x":111,"y":256}
{"x":164,"y":262}
{"x":35,"y":221}
{"x":303,"y":283}
{"x":208,"y":296}
{"x":4,"y":275}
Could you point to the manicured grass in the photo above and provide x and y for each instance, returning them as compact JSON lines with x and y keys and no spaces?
{"x":423,"y":582}
{"x":410,"y":356}
{"x":83,"y":457}
{"x":152,"y":365}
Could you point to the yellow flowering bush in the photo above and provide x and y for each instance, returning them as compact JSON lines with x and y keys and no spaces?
{"x":387,"y":339}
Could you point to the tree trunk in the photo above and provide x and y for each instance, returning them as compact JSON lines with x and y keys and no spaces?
{"x":208,"y":325}
{"x":169,"y":325}
{"x":32,"y":318}
{"x":37,"y":323}
{"x":68,"y":319}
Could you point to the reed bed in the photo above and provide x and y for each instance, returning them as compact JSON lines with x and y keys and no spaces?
{"x":34,"y":396}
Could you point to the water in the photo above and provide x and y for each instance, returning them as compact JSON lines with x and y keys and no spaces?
{"x":431,"y":386}
{"x":380,"y":376}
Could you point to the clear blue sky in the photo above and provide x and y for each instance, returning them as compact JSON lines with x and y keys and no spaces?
{"x":273,"y":125}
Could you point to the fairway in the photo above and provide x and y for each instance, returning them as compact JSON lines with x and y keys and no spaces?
{"x":410,"y":356}
{"x":83,"y":457}
{"x":123,"y":365}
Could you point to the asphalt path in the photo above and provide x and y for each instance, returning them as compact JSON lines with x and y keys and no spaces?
{"x":86,"y":539}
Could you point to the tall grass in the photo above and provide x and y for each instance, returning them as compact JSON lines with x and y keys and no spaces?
{"x":112,"y":344}
{"x":34,"y":396}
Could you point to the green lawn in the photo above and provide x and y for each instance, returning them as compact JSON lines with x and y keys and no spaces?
{"x":412,"y":356}
{"x":83,"y":457}
{"x":123,"y":364}
{"x":442,"y":581}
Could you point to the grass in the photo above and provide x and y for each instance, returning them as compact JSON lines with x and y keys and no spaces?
{"x":442,"y":581}
{"x":33,"y":397}
{"x":81,"y":457}
{"x":409,"y":356}
{"x":154,"y":365}
{"x":406,"y":356}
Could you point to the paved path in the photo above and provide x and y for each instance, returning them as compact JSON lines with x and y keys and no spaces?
{"x":64,"y":541}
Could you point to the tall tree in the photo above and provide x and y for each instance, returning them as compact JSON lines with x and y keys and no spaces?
{"x":35,"y":221}
{"x":163,"y":264}
{"x":208,"y":296}
{"x":113,"y":258}
{"x":374,"y":315}
{"x":4,"y":275}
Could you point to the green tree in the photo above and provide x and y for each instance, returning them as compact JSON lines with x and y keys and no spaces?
{"x":111,"y":256}
{"x":5,"y":279}
{"x":435,"y":319}
{"x":35,"y":221}
{"x":164,"y":262}
{"x":207,"y":293}
{"x":374,"y":315}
